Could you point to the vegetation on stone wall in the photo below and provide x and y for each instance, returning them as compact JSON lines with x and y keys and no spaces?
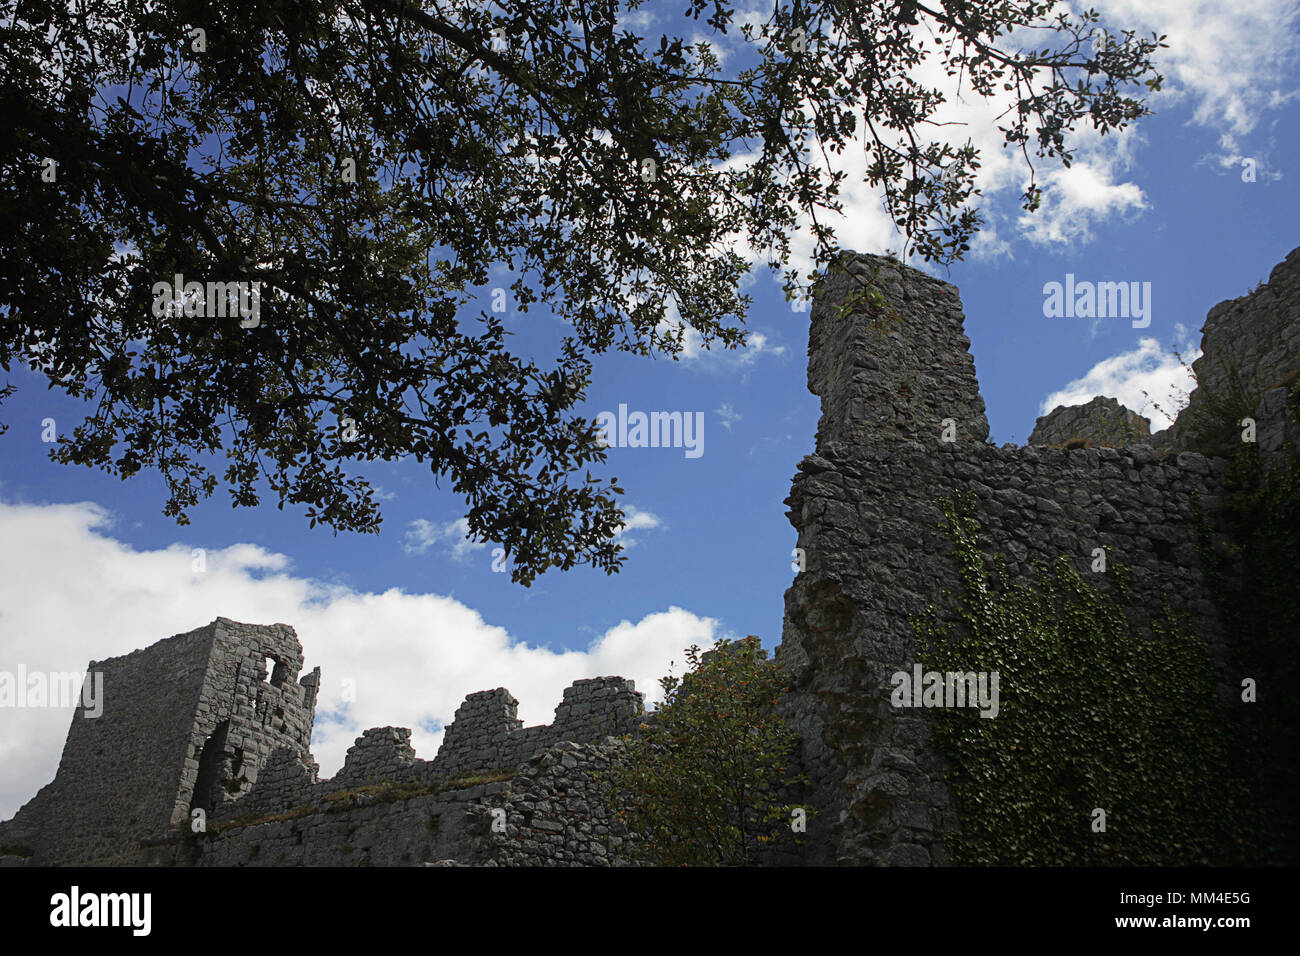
{"x":702,"y":783}
{"x":1255,"y":581}
{"x":1095,"y":713}
{"x":1210,"y":423}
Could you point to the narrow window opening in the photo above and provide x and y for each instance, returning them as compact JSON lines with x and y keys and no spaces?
{"x":275,"y":672}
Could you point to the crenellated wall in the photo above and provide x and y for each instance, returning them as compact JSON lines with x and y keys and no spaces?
{"x":485,"y":737}
{"x":216,"y":720}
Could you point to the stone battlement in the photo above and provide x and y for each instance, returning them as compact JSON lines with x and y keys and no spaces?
{"x":903,"y":428}
{"x":484,"y":738}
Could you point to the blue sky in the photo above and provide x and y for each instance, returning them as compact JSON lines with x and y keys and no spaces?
{"x":417,"y":616}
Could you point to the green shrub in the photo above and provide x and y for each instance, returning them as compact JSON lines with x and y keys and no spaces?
{"x":702,"y":786}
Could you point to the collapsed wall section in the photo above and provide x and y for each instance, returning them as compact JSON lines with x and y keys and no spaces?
{"x":215,"y":720}
{"x":1102,"y":422}
{"x":251,"y":703}
{"x":118,"y":777}
{"x":1250,"y":353}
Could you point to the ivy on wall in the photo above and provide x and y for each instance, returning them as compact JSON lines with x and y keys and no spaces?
{"x":1094,"y":714}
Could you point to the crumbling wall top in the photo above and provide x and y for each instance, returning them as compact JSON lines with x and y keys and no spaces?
{"x":889,"y":357}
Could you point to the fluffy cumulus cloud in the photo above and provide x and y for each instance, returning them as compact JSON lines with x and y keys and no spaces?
{"x":1148,"y":379}
{"x":1230,"y":62}
{"x":70,"y":592}
{"x":1089,"y":192}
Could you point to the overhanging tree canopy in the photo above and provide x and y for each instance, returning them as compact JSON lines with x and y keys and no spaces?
{"x":366,"y":162}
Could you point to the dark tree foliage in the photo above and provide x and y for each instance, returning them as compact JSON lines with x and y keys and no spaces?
{"x":367,"y":161}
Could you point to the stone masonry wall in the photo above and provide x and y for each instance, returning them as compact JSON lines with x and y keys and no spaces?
{"x":252,"y":702}
{"x":558,"y":812}
{"x":1250,"y":347}
{"x":866,"y":505}
{"x":552,"y":812}
{"x":484,"y":737}
{"x":217,"y":718}
{"x":357,"y":830}
{"x":107,"y":793}
{"x":1100,"y":422}
{"x":198,"y":710}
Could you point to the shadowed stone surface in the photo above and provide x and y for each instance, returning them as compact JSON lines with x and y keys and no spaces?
{"x":894,"y":380}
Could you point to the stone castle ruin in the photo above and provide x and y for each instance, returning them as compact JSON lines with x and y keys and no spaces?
{"x":216,"y":724}
{"x":902,"y":428}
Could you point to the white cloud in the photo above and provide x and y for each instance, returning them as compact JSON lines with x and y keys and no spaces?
{"x":1230,"y":61}
{"x":715,"y":356}
{"x":1076,"y":199}
{"x":755,"y":346}
{"x":1148,"y":368}
{"x":728,"y":414}
{"x":634,"y":519}
{"x":423,"y":535}
{"x":69,"y":593}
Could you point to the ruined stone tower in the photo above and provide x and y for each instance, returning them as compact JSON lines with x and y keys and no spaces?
{"x":187,"y":723}
{"x":903,"y":427}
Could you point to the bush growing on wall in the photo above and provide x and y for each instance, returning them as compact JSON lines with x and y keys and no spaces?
{"x":702,"y":782}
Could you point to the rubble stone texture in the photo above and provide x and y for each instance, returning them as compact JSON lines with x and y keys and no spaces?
{"x":1102,"y":422}
{"x":1250,"y":348}
{"x":187,"y":723}
{"x":218,"y":719}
